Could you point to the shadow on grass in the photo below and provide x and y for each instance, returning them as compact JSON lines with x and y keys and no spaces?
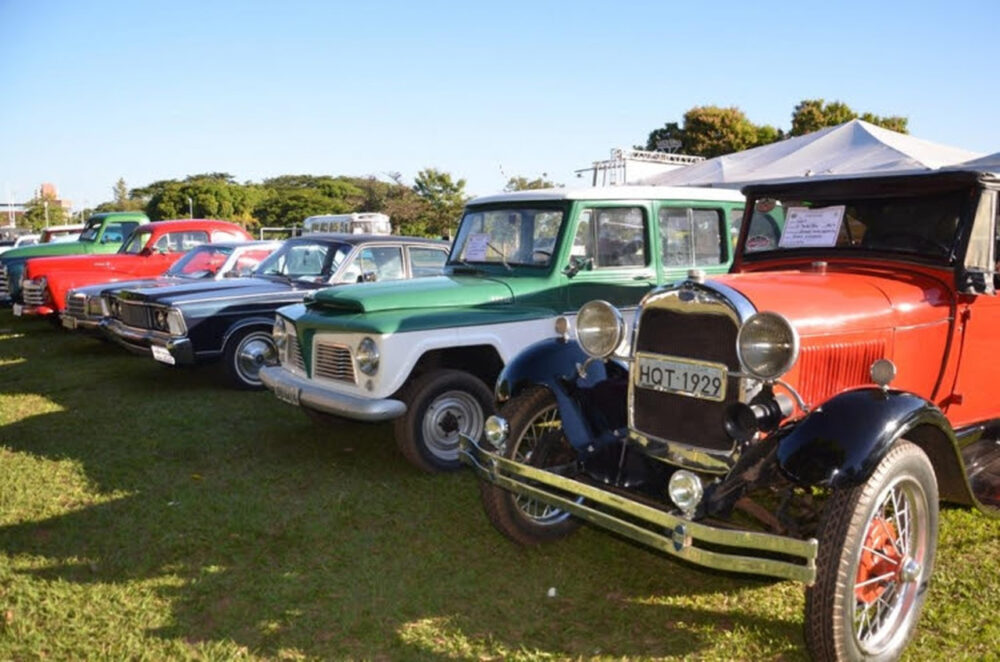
{"x":285,"y":535}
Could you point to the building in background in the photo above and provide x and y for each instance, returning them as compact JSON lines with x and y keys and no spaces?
{"x":630,"y":166}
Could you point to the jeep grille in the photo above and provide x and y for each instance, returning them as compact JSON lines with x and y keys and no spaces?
{"x":703,"y":331}
{"x":294,"y":357}
{"x":333,"y":361}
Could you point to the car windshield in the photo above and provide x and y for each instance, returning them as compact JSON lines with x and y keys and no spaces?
{"x":509,"y":236}
{"x":91,"y":230}
{"x":311,"y":261}
{"x":136,"y":242}
{"x":201,"y":262}
{"x":924,"y":226}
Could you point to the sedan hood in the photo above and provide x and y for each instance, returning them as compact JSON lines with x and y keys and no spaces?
{"x":433,"y":292}
{"x":181,"y":293}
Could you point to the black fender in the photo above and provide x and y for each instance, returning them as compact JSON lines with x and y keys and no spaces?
{"x":840,"y":443}
{"x":592,"y":407}
{"x":267,"y":322}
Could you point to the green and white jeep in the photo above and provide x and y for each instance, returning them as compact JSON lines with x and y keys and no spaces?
{"x":425,"y":353}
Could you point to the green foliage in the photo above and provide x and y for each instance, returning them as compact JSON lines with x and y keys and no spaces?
{"x":122,"y":200}
{"x":43,"y":210}
{"x":446,"y":198}
{"x":519,"y":183}
{"x":671,"y":131}
{"x":815,"y":114}
{"x":712,"y":131}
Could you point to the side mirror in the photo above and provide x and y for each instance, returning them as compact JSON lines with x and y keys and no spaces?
{"x":146,"y":251}
{"x":368,"y":277}
{"x":578,"y":264}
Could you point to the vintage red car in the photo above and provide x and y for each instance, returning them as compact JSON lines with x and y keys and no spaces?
{"x":799,"y":417}
{"x":149,"y":251}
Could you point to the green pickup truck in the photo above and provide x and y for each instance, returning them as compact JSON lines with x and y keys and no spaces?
{"x":425,"y":353}
{"x":103,"y":233}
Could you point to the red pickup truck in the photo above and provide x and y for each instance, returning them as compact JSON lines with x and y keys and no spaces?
{"x":149,"y":251}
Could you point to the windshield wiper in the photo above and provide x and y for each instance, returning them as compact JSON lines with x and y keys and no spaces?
{"x":503,"y":258}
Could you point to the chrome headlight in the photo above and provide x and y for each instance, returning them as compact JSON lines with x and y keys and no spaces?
{"x":96,"y":306}
{"x":279,"y":332}
{"x":367,"y":356}
{"x":685,"y":490}
{"x":767,"y":345}
{"x":600,"y":328}
{"x":496,"y":429}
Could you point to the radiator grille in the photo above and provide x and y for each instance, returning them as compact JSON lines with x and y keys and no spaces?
{"x":132,"y":314}
{"x":700,"y":335}
{"x":827,"y":370}
{"x":333,"y":361}
{"x":295,"y":353}
{"x":77,"y":305}
{"x":4,"y":290}
{"x":33,"y":294}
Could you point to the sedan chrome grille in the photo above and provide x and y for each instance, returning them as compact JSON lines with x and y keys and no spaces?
{"x":333,"y":361}
{"x":131,"y":314}
{"x":33,"y":293}
{"x":77,"y":305}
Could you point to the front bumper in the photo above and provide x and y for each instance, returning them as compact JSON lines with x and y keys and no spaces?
{"x":302,"y":392}
{"x":24,"y":310}
{"x":73,"y":322}
{"x":148,"y":342}
{"x":701,"y":544}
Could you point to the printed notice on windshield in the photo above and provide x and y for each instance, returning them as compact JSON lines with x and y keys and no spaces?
{"x":811,"y":228}
{"x":475,"y":248}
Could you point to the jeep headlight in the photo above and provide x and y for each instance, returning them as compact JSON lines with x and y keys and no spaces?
{"x":279,"y":332}
{"x":767,"y":345}
{"x":599,"y":328}
{"x":367,"y":356}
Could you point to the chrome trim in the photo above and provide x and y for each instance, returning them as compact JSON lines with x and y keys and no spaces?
{"x":316,"y":397}
{"x":743,"y":306}
{"x":662,"y":530}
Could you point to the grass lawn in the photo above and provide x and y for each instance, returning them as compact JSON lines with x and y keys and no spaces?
{"x":148,"y":512}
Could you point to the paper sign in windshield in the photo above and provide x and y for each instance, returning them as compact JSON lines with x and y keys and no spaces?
{"x":475,"y":248}
{"x":811,"y":228}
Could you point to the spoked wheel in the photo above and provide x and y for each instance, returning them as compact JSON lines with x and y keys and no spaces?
{"x":875,"y":559}
{"x":442,"y":406}
{"x":536,"y":438}
{"x":246,"y":353}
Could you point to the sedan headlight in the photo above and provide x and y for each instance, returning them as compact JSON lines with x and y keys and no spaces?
{"x":279,"y":332}
{"x":367,"y":356}
{"x":160,"y":319}
{"x":599,"y":328}
{"x":767,"y":345}
{"x":96,"y":306}
{"x":175,"y":323}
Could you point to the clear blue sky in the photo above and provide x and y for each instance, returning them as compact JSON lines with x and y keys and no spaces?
{"x":94,"y":91}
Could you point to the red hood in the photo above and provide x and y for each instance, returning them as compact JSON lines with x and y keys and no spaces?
{"x":41,"y":266}
{"x":846,"y":300}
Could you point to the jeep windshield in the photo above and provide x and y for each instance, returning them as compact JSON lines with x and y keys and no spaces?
{"x":521,"y":236}
{"x":311,"y":261}
{"x":920,"y":225}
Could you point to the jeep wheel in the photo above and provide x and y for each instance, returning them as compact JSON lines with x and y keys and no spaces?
{"x":246,"y":353}
{"x":535,"y":438}
{"x":440,"y":406}
{"x":875,"y":558}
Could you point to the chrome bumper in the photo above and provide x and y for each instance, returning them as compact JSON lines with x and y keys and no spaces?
{"x":656,"y":528}
{"x":141,"y":341}
{"x":302,"y":392}
{"x":73,"y":321}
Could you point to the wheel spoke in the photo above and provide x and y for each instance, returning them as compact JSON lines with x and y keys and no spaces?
{"x":874,"y":580}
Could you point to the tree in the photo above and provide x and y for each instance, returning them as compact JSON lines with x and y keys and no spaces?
{"x":670,"y":133}
{"x":815,"y":114}
{"x":445,"y":196}
{"x":43,"y":210}
{"x":712,"y":131}
{"x":519,"y":183}
{"x":123,"y":199}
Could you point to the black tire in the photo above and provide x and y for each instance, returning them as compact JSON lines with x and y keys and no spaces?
{"x":440,"y":405}
{"x":246,"y":352}
{"x":850,"y":613}
{"x":535,"y":438}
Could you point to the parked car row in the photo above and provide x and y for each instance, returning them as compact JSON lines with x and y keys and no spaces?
{"x":782,"y":384}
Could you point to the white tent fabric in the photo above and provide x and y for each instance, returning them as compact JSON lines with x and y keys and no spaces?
{"x":851,"y":148}
{"x":989,"y":163}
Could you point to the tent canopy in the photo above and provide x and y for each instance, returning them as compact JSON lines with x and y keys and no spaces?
{"x":854,"y":147}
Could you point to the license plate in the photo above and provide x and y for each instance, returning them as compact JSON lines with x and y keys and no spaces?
{"x":287,"y":393}
{"x":18,"y":309}
{"x":161,"y":354}
{"x":696,"y":379}
{"x":69,"y":322}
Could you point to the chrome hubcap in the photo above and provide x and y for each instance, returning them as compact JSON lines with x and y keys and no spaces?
{"x":254,"y":353}
{"x":450,"y":415}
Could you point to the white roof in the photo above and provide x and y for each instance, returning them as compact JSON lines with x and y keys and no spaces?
{"x":989,"y":163}
{"x":855,"y":147}
{"x":614,"y":193}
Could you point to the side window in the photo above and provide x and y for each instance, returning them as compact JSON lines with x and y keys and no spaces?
{"x":179,"y":242}
{"x":611,"y":237}
{"x":118,"y":232}
{"x":388,"y":262}
{"x":692,"y":237}
{"x":426,"y":261}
